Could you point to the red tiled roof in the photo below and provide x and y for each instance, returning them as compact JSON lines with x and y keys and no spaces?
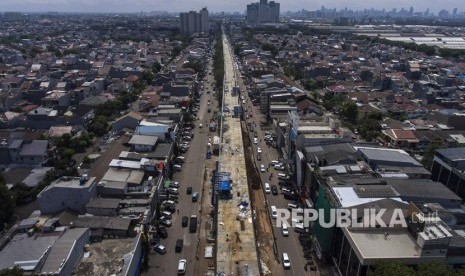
{"x":401,"y":134}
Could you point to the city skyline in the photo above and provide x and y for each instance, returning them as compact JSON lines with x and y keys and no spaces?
{"x":120,"y":6}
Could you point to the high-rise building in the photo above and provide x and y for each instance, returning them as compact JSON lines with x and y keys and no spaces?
{"x":263,"y":12}
{"x":194,"y":22}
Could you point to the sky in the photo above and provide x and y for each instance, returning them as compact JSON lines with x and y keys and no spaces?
{"x":214,"y":5}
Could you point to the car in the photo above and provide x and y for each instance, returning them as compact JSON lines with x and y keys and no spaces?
{"x":286,"y":261}
{"x":177,"y":167}
{"x":160,"y":249}
{"x":174,"y":184}
{"x":255,"y":134}
{"x":165,"y":222}
{"x":255,"y":140}
{"x":182,"y":266}
{"x":162,"y":232}
{"x":187,"y":138}
{"x":174,"y":191}
{"x":279,"y":167}
{"x":184,"y":221}
{"x":274,"y":190}
{"x":168,"y":203}
{"x":259,"y":150}
{"x":267,"y":188}
{"x":262,"y":168}
{"x":285,"y":230}
{"x":179,"y":245}
{"x":274,"y":162}
{"x":200,"y":125}
{"x":195,"y":196}
{"x":259,"y":157}
{"x":283,"y":176}
{"x":189,"y":190}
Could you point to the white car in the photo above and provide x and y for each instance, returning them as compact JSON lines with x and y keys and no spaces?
{"x":255,"y":140}
{"x":285,"y":230}
{"x":267,"y":188}
{"x":286,"y":261}
{"x":259,"y":150}
{"x":182,"y":265}
{"x":200,"y":125}
{"x":262,"y":168}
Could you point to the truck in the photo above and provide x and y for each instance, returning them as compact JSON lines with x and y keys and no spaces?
{"x":193,"y":224}
{"x":216,"y":145}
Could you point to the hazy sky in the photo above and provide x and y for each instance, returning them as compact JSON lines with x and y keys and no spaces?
{"x":214,"y":5}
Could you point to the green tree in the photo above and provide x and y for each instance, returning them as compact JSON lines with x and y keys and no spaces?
{"x":15,"y":271}
{"x":433,"y":269}
{"x":391,"y":269}
{"x":349,"y":111}
{"x":428,"y":155}
{"x":7,"y":204}
{"x":369,"y":129}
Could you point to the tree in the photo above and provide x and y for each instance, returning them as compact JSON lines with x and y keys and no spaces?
{"x":433,"y":269}
{"x":428,"y":155}
{"x":15,"y":271}
{"x":349,"y":111}
{"x":369,"y":129}
{"x":391,"y":269}
{"x":7,"y":204}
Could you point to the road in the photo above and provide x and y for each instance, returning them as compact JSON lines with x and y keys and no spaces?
{"x":191,"y":175}
{"x":290,"y":244}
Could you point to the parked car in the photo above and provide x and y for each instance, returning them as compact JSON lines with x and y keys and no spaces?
{"x":165,"y":222}
{"x":174,"y":184}
{"x":174,"y":191}
{"x":259,"y":150}
{"x":160,"y":249}
{"x":162,"y":232}
{"x":189,"y":190}
{"x":283,"y":176}
{"x":279,"y":167}
{"x":262,"y":168}
{"x":259,"y":157}
{"x":255,"y":140}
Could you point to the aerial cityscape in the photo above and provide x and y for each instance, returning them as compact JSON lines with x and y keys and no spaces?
{"x":232,"y":138}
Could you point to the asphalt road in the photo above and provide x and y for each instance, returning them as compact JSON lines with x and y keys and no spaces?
{"x":192,"y":175}
{"x":289,"y":244}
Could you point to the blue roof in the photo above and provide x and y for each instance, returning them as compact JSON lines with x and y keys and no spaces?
{"x":225,"y":185}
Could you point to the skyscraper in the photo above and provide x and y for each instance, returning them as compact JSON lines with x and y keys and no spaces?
{"x":263,"y":12}
{"x":194,"y":22}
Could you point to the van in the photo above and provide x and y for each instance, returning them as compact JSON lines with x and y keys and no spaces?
{"x":274,"y":212}
{"x":267,"y":188}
